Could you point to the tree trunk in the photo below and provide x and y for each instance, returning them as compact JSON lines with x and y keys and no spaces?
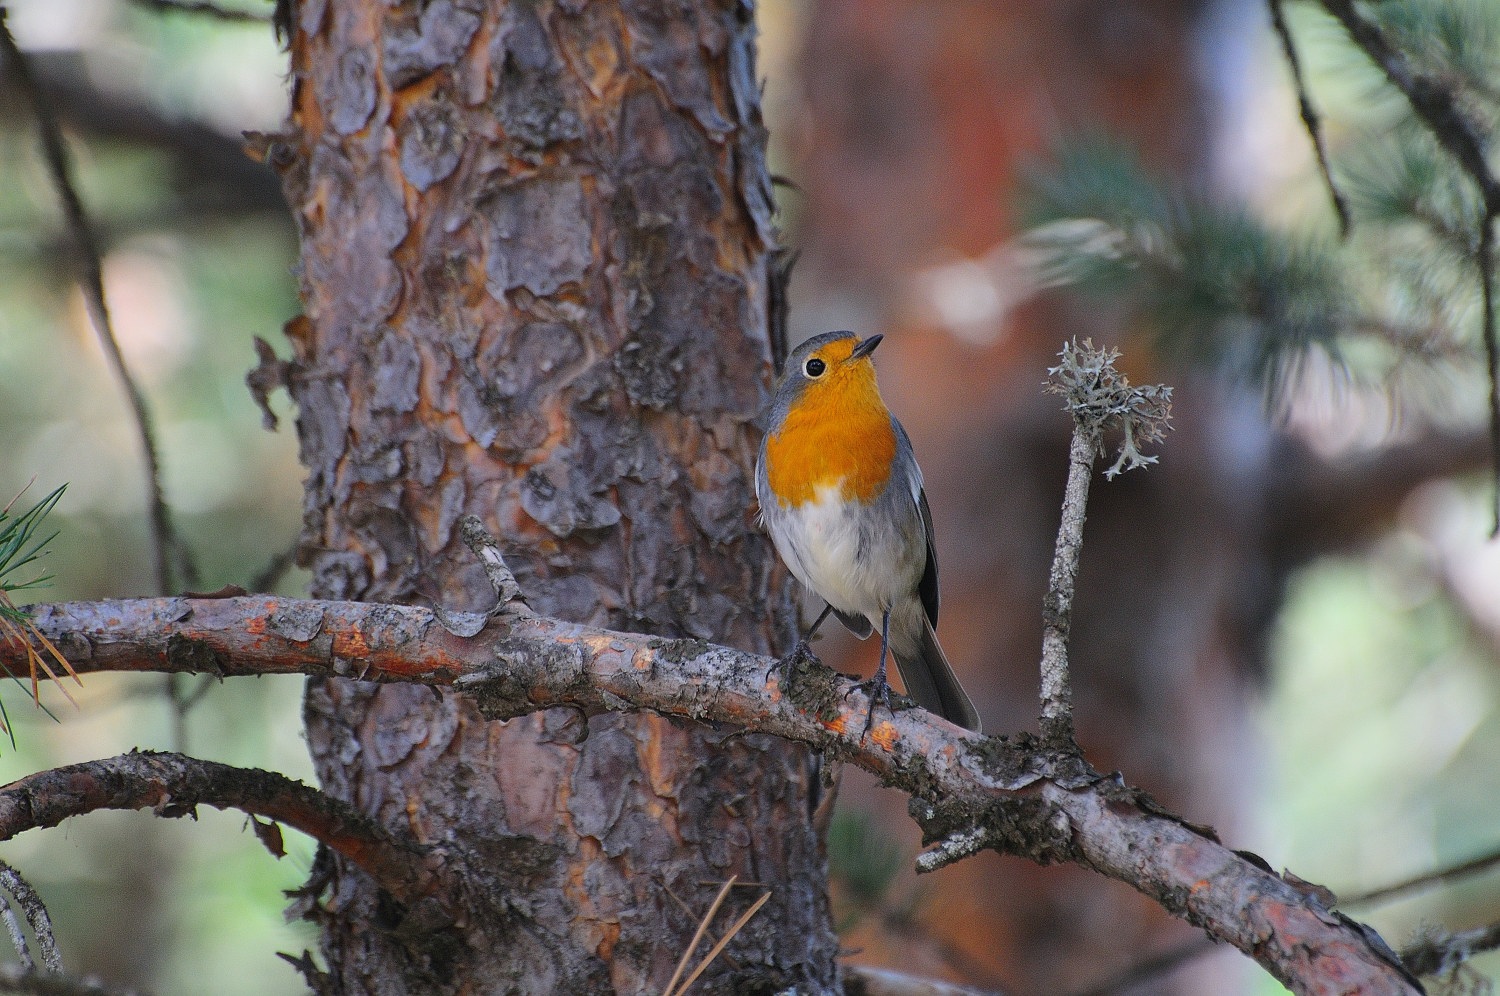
{"x":535,"y":240}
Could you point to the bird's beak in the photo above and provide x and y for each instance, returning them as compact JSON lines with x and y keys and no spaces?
{"x":866,"y":347}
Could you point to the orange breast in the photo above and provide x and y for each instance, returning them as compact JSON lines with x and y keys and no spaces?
{"x":841,"y":431}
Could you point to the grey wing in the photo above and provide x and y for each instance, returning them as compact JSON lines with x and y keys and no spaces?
{"x":762,"y":485}
{"x":928,"y":587}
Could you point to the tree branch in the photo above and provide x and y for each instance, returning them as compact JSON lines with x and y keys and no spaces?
{"x":37,"y":918}
{"x":1099,"y":398}
{"x":1057,"y":610}
{"x":988,"y":792}
{"x":1442,"y":953}
{"x":1464,"y":137}
{"x":173,"y":785}
{"x":1434,"y":103}
{"x":202,"y":7}
{"x":1310,"y":119}
{"x":1159,"y":964}
{"x":1315,"y":504}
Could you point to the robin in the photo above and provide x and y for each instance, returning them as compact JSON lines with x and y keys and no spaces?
{"x":841,"y":495}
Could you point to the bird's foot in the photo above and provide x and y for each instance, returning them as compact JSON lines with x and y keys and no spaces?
{"x":802,"y":653}
{"x":879,"y":691}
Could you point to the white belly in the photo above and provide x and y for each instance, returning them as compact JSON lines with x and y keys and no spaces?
{"x":820,"y":541}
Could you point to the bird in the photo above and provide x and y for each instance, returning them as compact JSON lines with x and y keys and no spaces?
{"x":841,"y":495}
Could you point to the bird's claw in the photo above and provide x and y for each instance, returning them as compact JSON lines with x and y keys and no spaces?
{"x":802,"y":653}
{"x":879,"y":691}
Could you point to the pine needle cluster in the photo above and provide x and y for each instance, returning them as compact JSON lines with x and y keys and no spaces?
{"x":1393,"y":304}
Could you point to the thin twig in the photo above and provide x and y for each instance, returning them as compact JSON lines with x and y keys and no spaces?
{"x":1442,"y":953}
{"x":779,"y":283}
{"x":204,"y":8}
{"x":17,"y":936}
{"x":1310,"y":119}
{"x":270,"y":575}
{"x":166,"y":544}
{"x":1057,"y":608}
{"x":1491,"y":349}
{"x":1153,"y":967}
{"x":1465,"y":139}
{"x":179,"y":707}
{"x":1436,"y":104}
{"x":1098,"y":396}
{"x":1439,"y":876}
{"x":483,"y":545}
{"x":36,"y":915}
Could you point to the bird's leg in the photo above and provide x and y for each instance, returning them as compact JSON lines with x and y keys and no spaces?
{"x":803,"y":649}
{"x":804,"y":645}
{"x":880,"y":689}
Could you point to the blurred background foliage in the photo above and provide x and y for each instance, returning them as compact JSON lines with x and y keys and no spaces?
{"x":1380,"y":710}
{"x":191,"y":275}
{"x":1378,"y":715}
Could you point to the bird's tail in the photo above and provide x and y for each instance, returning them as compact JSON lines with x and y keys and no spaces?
{"x":929,"y":679}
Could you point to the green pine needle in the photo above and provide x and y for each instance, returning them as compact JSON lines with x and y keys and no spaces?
{"x":1391,"y":310}
{"x":1222,"y":289}
{"x":21,"y":544}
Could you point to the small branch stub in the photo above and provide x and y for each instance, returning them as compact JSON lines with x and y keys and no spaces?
{"x":507,"y":589}
{"x":1443,"y":955}
{"x":1099,"y":397}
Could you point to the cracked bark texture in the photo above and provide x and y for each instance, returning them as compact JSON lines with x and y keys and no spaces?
{"x":535,"y":239}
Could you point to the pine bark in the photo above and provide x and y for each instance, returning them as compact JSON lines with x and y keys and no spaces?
{"x":535,"y":245}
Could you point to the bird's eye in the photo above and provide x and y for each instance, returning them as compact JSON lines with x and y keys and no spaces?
{"x":814,"y":367}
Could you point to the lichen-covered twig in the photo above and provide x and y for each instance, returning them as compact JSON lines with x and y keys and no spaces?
{"x":507,"y":590}
{"x":1100,"y":398}
{"x":1057,"y":608}
{"x":31,"y":906}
